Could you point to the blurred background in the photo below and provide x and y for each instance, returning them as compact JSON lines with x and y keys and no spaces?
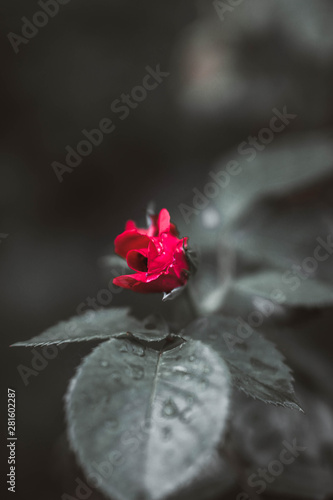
{"x":225,"y":67}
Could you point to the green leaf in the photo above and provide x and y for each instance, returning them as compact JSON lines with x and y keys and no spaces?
{"x":285,"y":233}
{"x":173,"y":294}
{"x":282,"y":168}
{"x":273,"y":430}
{"x":214,"y":277}
{"x":102,"y":324}
{"x":289,"y":290}
{"x":144,"y":422}
{"x":256,"y":366}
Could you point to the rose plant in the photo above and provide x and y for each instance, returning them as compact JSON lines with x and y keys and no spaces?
{"x":148,"y":408}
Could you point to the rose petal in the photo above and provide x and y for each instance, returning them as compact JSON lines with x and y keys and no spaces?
{"x":137,"y":260}
{"x":130,"y":225}
{"x":130,"y":240}
{"x":156,"y":259}
{"x":163,"y":221}
{"x":156,"y":283}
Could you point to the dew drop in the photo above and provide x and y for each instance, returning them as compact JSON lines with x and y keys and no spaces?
{"x":136,"y":372}
{"x":169,"y":408}
{"x":123,"y":348}
{"x":192,"y":358}
{"x":140,"y":351}
{"x":180,"y":369}
{"x":104,"y":363}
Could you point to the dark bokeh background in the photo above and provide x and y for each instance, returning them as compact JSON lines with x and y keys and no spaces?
{"x":225,"y":78}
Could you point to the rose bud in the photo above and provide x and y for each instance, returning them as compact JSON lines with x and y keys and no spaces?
{"x":157,"y":255}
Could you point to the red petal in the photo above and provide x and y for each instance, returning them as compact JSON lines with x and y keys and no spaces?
{"x":137,"y":260}
{"x":180,"y":261}
{"x":153,"y":228}
{"x":142,"y":283}
{"x":130,"y":225}
{"x":130,"y":240}
{"x":163,"y":221}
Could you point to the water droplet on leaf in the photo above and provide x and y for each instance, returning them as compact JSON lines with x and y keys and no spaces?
{"x":179,"y":369}
{"x":136,"y":372}
{"x":169,"y":408}
{"x":123,"y":348}
{"x":140,"y":351}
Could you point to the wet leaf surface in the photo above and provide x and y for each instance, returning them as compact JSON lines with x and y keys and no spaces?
{"x":146,"y":422}
{"x":256,"y":366}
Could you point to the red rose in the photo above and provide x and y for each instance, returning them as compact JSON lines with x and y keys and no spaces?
{"x":156,"y":253}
